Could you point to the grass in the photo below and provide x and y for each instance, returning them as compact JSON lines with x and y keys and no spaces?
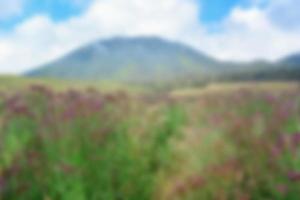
{"x":11,"y":83}
{"x":241,"y":143}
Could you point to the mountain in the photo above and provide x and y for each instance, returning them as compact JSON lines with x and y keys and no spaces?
{"x":130,"y":59}
{"x":285,"y":69}
{"x":293,"y":60}
{"x":152,"y":59}
{"x":288,"y":68}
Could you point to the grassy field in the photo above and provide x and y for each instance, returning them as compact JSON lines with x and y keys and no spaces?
{"x":225,"y":141}
{"x":13,"y":83}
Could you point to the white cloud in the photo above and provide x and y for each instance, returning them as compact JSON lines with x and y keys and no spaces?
{"x":10,"y":8}
{"x":250,"y":34}
{"x":245,"y":34}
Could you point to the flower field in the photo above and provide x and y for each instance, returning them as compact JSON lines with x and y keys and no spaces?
{"x":84,"y":144}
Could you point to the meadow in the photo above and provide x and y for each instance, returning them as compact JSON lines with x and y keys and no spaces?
{"x":222,"y":142}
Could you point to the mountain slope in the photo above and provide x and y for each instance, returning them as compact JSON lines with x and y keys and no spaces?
{"x":130,"y":59}
{"x":293,"y":60}
{"x":286,"y":69}
{"x":152,"y":59}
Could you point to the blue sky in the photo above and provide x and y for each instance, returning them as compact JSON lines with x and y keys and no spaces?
{"x":34,"y":32}
{"x":215,"y":10}
{"x":58,"y":10}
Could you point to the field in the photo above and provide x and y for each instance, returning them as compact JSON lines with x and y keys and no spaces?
{"x":222,"y":142}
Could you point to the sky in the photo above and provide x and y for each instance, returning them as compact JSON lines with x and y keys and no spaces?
{"x":34,"y":32}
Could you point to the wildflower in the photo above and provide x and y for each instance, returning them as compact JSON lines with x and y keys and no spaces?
{"x":296,"y":139}
{"x":270,"y":98}
{"x":293,"y":176}
{"x":282,"y":189}
{"x":180,"y":188}
{"x":42,"y":90}
{"x":282,"y":141}
{"x":16,"y":105}
{"x":197,"y":182}
{"x":276,"y":151}
{"x":69,"y":113}
{"x":2,"y":183}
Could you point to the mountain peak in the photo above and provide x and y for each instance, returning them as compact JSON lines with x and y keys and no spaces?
{"x":129,"y":59}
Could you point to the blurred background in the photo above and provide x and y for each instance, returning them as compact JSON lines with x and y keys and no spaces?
{"x":150,"y":99}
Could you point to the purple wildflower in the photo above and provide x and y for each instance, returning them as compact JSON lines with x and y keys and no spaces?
{"x":16,"y":105}
{"x":293,"y":176}
{"x":296,"y":139}
{"x":270,"y":98}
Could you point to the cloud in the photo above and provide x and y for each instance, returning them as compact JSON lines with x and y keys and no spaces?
{"x":247,"y":33}
{"x":10,"y":8}
{"x":285,"y":13}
